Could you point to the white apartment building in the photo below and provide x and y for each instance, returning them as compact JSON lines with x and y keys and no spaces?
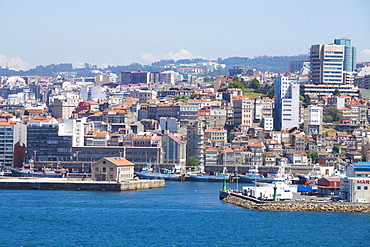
{"x":327,"y":64}
{"x":13,"y":136}
{"x":313,"y":120}
{"x":286,"y":103}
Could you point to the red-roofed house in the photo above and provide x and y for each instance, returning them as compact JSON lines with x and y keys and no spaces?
{"x":112,"y":169}
{"x":328,"y":186}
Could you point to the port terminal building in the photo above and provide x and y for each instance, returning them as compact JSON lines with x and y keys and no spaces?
{"x":356,"y":187}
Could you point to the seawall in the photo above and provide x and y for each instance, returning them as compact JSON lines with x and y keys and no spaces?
{"x":254,"y":204}
{"x":65,"y":184}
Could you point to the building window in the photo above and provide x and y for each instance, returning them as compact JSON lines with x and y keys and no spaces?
{"x":111,"y":169}
{"x":111,"y":176}
{"x":365,"y":187}
{"x":358,"y":187}
{"x":96,"y":169}
{"x":104,"y":169}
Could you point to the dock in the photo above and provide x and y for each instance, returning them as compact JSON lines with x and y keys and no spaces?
{"x":254,"y":204}
{"x":31,"y":183}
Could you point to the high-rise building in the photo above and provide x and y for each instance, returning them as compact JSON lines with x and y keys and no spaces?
{"x":47,"y":140}
{"x":349,"y":63}
{"x":286,"y":103}
{"x":12,"y":143}
{"x":327,"y":64}
{"x":195,"y":142}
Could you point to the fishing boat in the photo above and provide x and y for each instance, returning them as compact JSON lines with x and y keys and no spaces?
{"x":253,"y":176}
{"x":147,"y":174}
{"x":28,"y":170}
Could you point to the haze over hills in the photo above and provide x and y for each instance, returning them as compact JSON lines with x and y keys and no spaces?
{"x":262,"y":63}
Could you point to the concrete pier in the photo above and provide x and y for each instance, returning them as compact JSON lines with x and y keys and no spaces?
{"x":25,"y":183}
{"x":255,"y":204}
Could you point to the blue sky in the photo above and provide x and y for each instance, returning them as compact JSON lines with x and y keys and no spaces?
{"x":119,"y":32}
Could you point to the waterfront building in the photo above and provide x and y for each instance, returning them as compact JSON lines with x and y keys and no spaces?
{"x":195,"y":142}
{"x":328,"y":186}
{"x":174,"y":151}
{"x":360,"y":169}
{"x":47,"y":140}
{"x":355,"y":189}
{"x":13,"y":136}
{"x":140,"y":156}
{"x":210,"y":157}
{"x":286,"y":103}
{"x":349,"y":63}
{"x":112,"y":169}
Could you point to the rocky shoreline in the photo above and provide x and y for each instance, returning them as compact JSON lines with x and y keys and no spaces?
{"x":253,"y":204}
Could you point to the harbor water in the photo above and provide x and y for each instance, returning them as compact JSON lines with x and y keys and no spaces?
{"x":181,"y":214}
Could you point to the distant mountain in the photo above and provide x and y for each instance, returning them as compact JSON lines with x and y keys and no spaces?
{"x":262,"y":63}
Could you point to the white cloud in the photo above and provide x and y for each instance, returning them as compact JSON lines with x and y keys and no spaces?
{"x":148,"y":57}
{"x":13,"y":62}
{"x":364,"y":56}
{"x":78,"y":64}
{"x":104,"y":65}
{"x":181,"y":54}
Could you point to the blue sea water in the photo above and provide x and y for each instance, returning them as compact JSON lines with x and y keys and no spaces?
{"x":181,"y":214}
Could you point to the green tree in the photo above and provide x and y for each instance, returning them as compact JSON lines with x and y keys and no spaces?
{"x":335,"y":149}
{"x":314,"y":156}
{"x":271,"y":92}
{"x":328,"y":119}
{"x":335,"y":114}
{"x":336,"y":92}
{"x":255,"y":84}
{"x":236,"y":84}
{"x":209,"y":79}
{"x":193,"y":96}
{"x":193,"y":161}
{"x":180,"y":97}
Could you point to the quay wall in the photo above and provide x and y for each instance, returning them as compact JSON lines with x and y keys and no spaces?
{"x":44,"y":184}
{"x":255,"y":204}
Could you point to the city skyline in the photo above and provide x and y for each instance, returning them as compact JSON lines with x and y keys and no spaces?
{"x":124,"y":32}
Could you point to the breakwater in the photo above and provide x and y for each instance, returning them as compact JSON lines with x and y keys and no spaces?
{"x":65,"y":184}
{"x":254,"y":204}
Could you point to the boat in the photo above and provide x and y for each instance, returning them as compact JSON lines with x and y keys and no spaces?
{"x":147,"y":174}
{"x":253,"y":176}
{"x":28,"y":170}
{"x":202,"y":177}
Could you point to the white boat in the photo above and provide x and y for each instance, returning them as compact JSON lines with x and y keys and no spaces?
{"x":253,"y":176}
